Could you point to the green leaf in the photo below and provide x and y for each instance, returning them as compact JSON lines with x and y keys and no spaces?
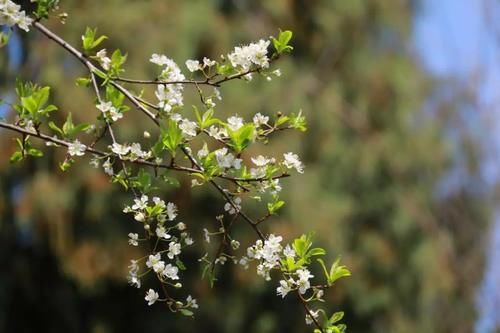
{"x":143,"y":181}
{"x":68,"y":125}
{"x":29,"y":104}
{"x":225,"y":69}
{"x":242,"y":137}
{"x":281,"y":120}
{"x":281,"y":44}
{"x":186,"y":312}
{"x":273,"y":207}
{"x":337,"y":316}
{"x":338,"y":271}
{"x":316,"y":252}
{"x":4,"y":37}
{"x":298,"y":121}
{"x":322,"y":263}
{"x":16,"y":157}
{"x":98,"y":41}
{"x":66,"y":164}
{"x":89,"y":40}
{"x":299,"y":246}
{"x":80,"y":128}
{"x":35,"y":152}
{"x":180,"y":264}
{"x":114,"y":96}
{"x":44,"y":7}
{"x":56,"y":129}
{"x":117,"y":61}
{"x":83,"y":81}
{"x":172,"y":137}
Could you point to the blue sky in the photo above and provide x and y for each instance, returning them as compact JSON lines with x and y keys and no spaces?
{"x":456,"y":41}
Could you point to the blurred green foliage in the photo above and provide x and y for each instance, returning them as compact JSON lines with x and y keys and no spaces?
{"x":373,"y":159}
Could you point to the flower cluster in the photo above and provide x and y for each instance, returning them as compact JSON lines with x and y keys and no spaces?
{"x":130,"y":152}
{"x":169,"y":95}
{"x":224,"y":163}
{"x":11,"y":14}
{"x":163,"y":262}
{"x":109,"y":111}
{"x":103,"y":59}
{"x":268,"y":253}
{"x":76,"y":148}
{"x":194,"y":65}
{"x":243,"y":57}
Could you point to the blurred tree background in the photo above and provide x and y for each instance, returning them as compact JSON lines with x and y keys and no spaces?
{"x":372,"y":190}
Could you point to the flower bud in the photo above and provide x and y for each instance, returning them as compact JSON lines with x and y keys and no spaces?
{"x":139,"y":217}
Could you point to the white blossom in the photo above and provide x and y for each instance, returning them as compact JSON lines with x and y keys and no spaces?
{"x":159,"y":202}
{"x":303,"y":282}
{"x":234,"y":123}
{"x":235,"y":244}
{"x":188,"y":241}
{"x":203,"y":152}
{"x":151,"y":296}
{"x":260,"y":119}
{"x":11,"y":14}
{"x":103,"y":59}
{"x":120,"y":149}
{"x":209,"y":103}
{"x":159,"y":59}
{"x":309,"y":320}
{"x":133,"y":267}
{"x":162,"y":233}
{"x":191,"y":302}
{"x":94,"y":162}
{"x":174,"y":249}
{"x":206,"y":235}
{"x":171,"y":211}
{"x":244,"y":262}
{"x":221,"y":260}
{"x":217,"y":133}
{"x":140,"y":203}
{"x":233,"y":209}
{"x":155,"y":262}
{"x":226,"y":160}
{"x":133,"y":239}
{"x":257,"y":172}
{"x":170,"y":271}
{"x":76,"y":148}
{"x":109,"y":111}
{"x":268,"y":252}
{"x":207,"y":62}
{"x":284,"y":288}
{"x":217,"y":94}
{"x":108,"y":167}
{"x":292,"y":161}
{"x":193,"y":65}
{"x":261,"y":161}
{"x":188,"y":128}
{"x":169,"y":95}
{"x":136,"y":152}
{"x":289,"y":252}
{"x":132,"y":277}
{"x":243,"y":57}
{"x":140,"y":217}
{"x":135,"y":281}
{"x":181,"y":226}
